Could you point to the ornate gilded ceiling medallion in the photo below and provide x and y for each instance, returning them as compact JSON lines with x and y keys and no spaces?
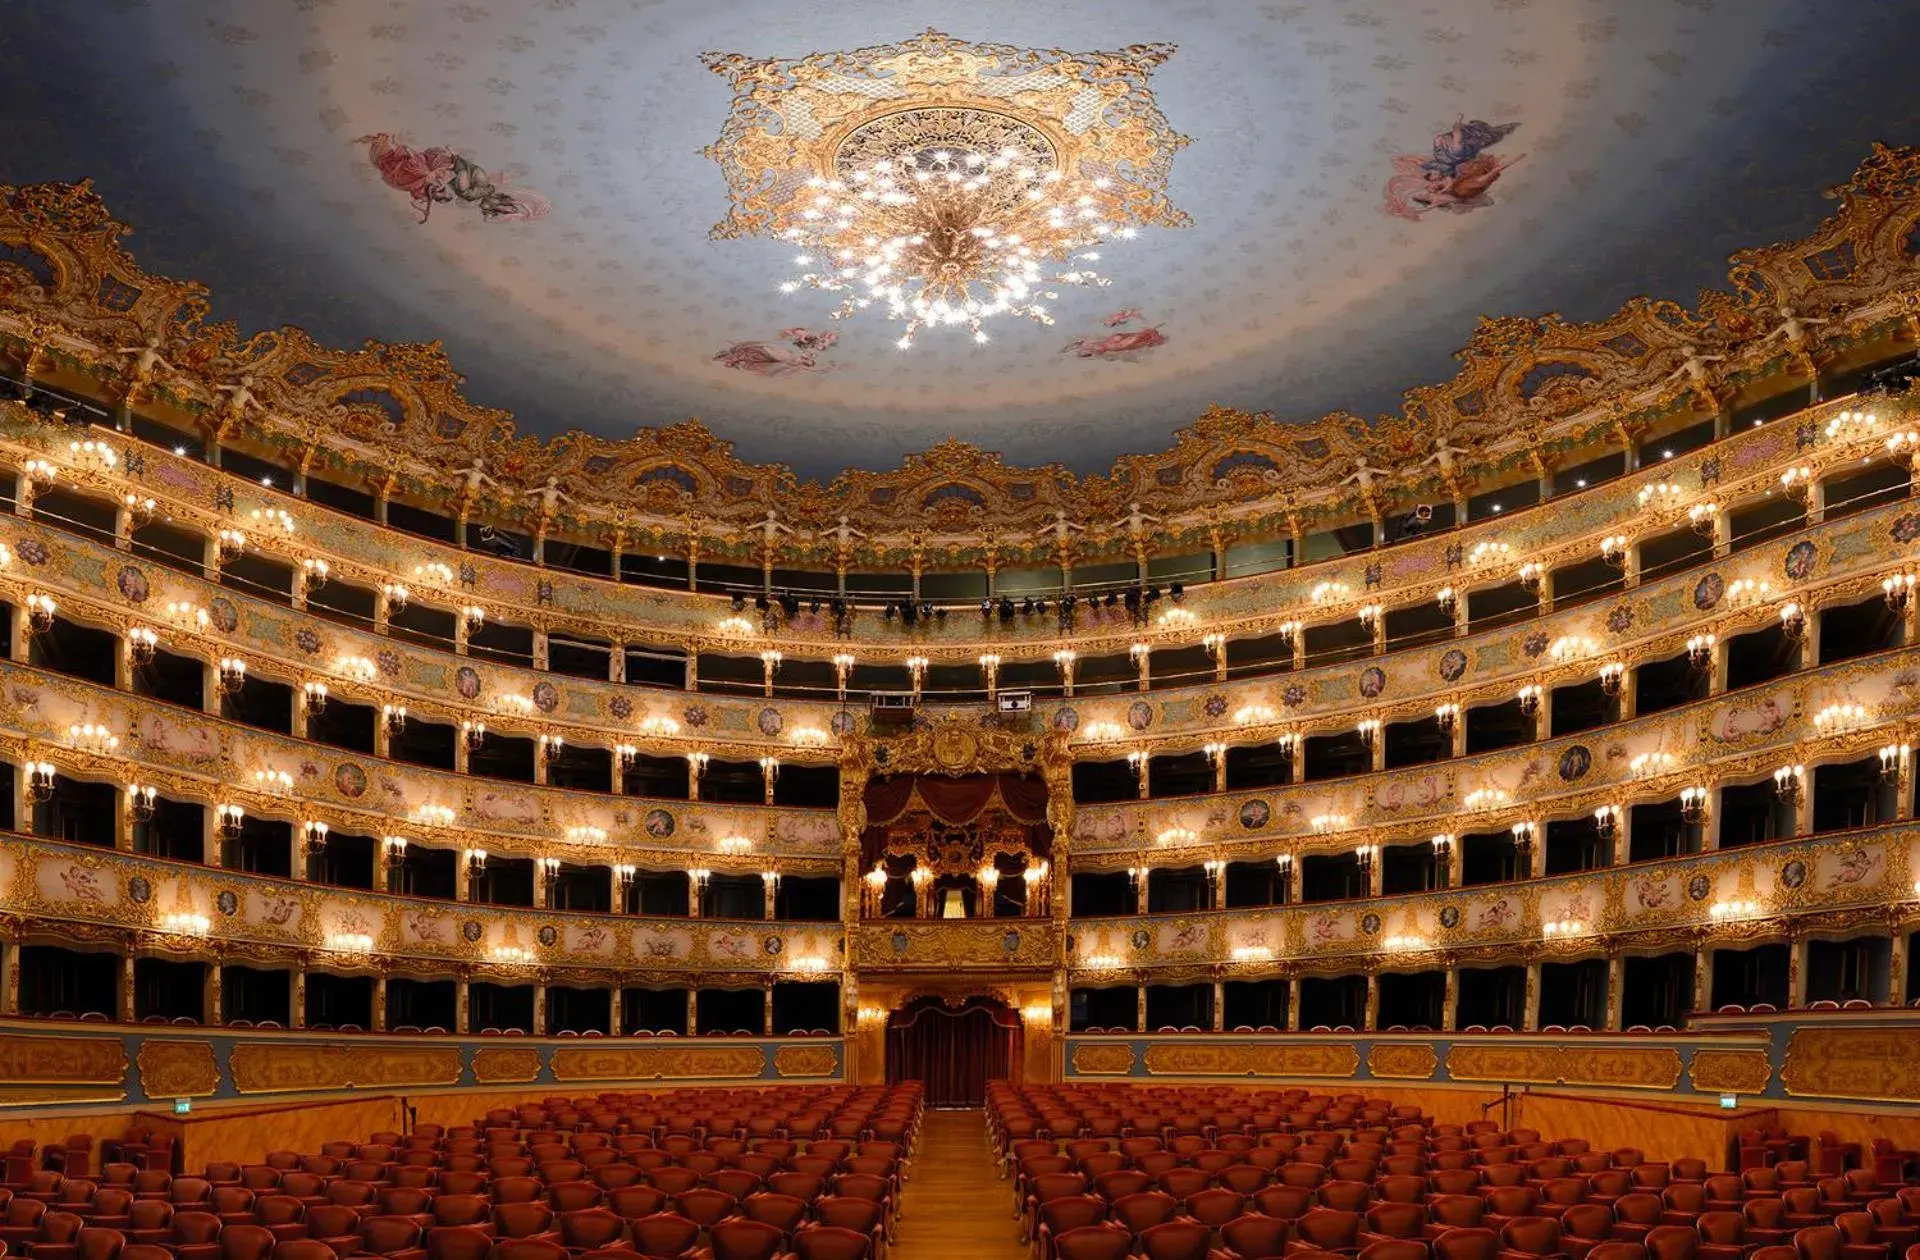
{"x":946,"y":182}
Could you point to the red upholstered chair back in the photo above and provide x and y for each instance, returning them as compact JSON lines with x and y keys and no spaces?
{"x":1467,"y":1244}
{"x":1254,"y":1236}
{"x":1616,"y":1250}
{"x":830,"y":1242}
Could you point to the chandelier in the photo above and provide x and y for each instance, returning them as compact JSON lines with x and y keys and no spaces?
{"x":941,"y":182}
{"x":949,"y":217}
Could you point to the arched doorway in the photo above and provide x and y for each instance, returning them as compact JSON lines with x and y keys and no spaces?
{"x":954,"y":1049}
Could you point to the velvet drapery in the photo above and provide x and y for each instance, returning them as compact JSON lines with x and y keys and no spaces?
{"x":955,"y":801}
{"x":954,"y":1050}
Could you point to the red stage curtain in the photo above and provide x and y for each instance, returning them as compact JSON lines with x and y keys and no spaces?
{"x":955,"y":1051}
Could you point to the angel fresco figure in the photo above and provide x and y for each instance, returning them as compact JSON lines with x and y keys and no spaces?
{"x":439,"y":175}
{"x":1793,"y":329}
{"x":1457,"y":174}
{"x":551,"y":497}
{"x":240,"y":396}
{"x":1123,"y":346}
{"x":769,"y":358}
{"x":147,"y":363}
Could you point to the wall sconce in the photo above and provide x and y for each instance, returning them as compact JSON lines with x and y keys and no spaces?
{"x":1793,"y":620}
{"x":623,"y":873}
{"x":1065,"y":658}
{"x":697,"y":766}
{"x":919,"y":876}
{"x":842,"y":670}
{"x":314,"y":837}
{"x":274,"y":521}
{"x":433,"y":573}
{"x":39,"y":780}
{"x":356,"y":668}
{"x":1138,"y":876}
{"x":1370,"y":615}
{"x":1787,"y":781}
{"x":92,"y":737}
{"x":1693,"y":803}
{"x":736,"y":627}
{"x":1529,"y":698}
{"x":1606,"y":821}
{"x":1614,"y":549}
{"x":1485,"y":553}
{"x":231,"y":544}
{"x":142,"y":643}
{"x":1287,"y":741}
{"x":1328,"y":592}
{"x":1215,"y":753}
{"x":1443,"y":848}
{"x":317,"y":572}
{"x":1447,"y":716}
{"x":551,"y":746}
{"x":1523,"y":833}
{"x":1140,"y":654}
{"x":1797,"y":482}
{"x":278,"y":782}
{"x":233,"y":675}
{"x":549,"y":871}
{"x":1647,"y":764}
{"x":1531,"y":574}
{"x":40,"y":610}
{"x":1660,"y":495}
{"x":41,"y":472}
{"x":989,"y":877}
{"x":1700,"y":650}
{"x":1613,"y":677}
{"x":1369,"y":731}
{"x":1324,"y":824}
{"x":1137,"y":762}
{"x":393,"y":717}
{"x":140,"y":801}
{"x":1744,"y":591}
{"x":473,"y":618}
{"x":1703,"y":516}
{"x":989,"y":663}
{"x":1255,"y":715}
{"x":1485,"y":798}
{"x":1571,"y":647}
{"x":1177,"y":837}
{"x":397,"y":597}
{"x":1288,"y":633}
{"x":473,"y":735}
{"x":770,"y":770}
{"x":1215,"y":643}
{"x":1562,"y":928}
{"x":1743,"y":909}
{"x":1364,"y":858}
{"x":1892,"y":757}
{"x":1898,"y":590}
{"x":735,"y":846}
{"x":474,"y":862}
{"x":769,"y":666}
{"x":1447,"y":600}
{"x":624,"y":755}
{"x":1852,"y":424}
{"x":186,"y":923}
{"x":1839,"y":717}
{"x":437,"y":816}
{"x":1904,"y":444}
{"x":770,"y":881}
{"x":1215,"y":869}
{"x":917,"y":672}
{"x":394,"y":850}
{"x":659,"y":726}
{"x":1173,"y":618}
{"x":585,"y":834}
{"x":228,"y":819}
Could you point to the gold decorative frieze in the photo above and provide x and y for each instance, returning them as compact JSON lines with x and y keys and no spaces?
{"x":921,"y":944}
{"x":26,"y":1060}
{"x":1730,"y":1071}
{"x":803,"y":1061}
{"x":658,"y":1063}
{"x":501,"y":1065}
{"x":1093,"y":1058}
{"x":279,"y":1067}
{"x":1623,"y":1067}
{"x":1404,"y":1060}
{"x":1251,"y":1058}
{"x":177,"y":1069}
{"x":1862,"y":1062}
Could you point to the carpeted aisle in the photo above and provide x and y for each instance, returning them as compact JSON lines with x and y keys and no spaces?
{"x":956,"y":1205}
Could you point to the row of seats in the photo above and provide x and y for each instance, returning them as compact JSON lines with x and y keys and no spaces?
{"x":813,"y":1171}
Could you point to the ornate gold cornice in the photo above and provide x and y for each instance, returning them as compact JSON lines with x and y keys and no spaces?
{"x":394,"y":416}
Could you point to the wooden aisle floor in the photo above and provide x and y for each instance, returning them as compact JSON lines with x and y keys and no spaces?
{"x":957,"y":1208}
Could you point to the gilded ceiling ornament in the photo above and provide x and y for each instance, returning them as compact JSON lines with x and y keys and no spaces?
{"x":943,"y":181}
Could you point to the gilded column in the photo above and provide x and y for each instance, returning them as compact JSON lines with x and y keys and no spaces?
{"x":297,"y":999}
{"x":10,"y":975}
{"x":379,"y":1012}
{"x":1722,"y":535}
{"x":540,"y":1008}
{"x":1896,"y":967}
{"x":1140,"y":1007}
{"x":211,"y":1001}
{"x":1219,"y":1005}
{"x":463,"y":1005}
{"x":1293,"y":1004}
{"x":124,"y":1002}
{"x":1630,"y":571}
{"x":1796,"y":971}
{"x":1530,"y":1019}
{"x":1703,"y":978}
{"x":1449,"y":1000}
{"x":1616,"y":991}
{"x":693,"y":1013}
{"x":766,"y":1006}
{"x":1370,"y":1020}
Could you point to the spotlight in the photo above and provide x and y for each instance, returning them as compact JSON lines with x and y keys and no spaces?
{"x":909,"y":612}
{"x":986,"y":606}
{"x":813,"y":607}
{"x":1178,"y":590}
{"x":760,"y":603}
{"x":1026,"y":608}
{"x":939,"y":614}
{"x":1006,"y":608}
{"x":790,"y":604}
{"x":926,"y":608}
{"x":1111,"y":597}
{"x":893,"y":610}
{"x":1153,"y":594}
{"x":739,"y":601}
{"x":1133,"y":600}
{"x":1040,"y":606}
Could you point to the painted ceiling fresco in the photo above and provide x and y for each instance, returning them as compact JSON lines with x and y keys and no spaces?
{"x":524,"y":180}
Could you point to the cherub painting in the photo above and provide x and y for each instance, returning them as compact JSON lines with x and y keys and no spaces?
{"x":771,"y":358}
{"x":1455,"y":177}
{"x":1124,"y":344}
{"x":438,"y":175}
